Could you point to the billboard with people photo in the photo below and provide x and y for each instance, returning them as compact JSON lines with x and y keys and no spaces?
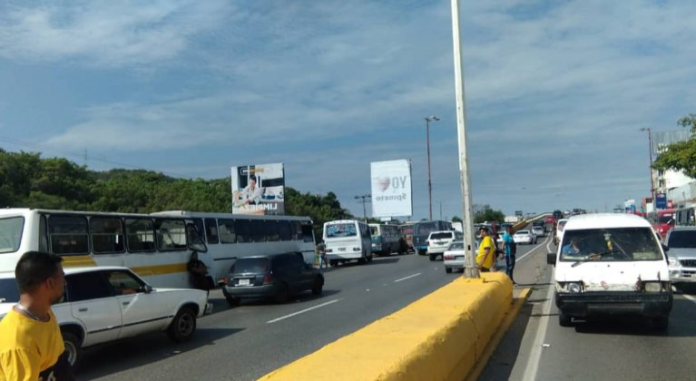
{"x":391,"y":188}
{"x":258,"y":189}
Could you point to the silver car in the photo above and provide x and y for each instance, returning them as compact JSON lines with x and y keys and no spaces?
{"x":682,"y":256}
{"x":453,"y":258}
{"x":539,"y":231}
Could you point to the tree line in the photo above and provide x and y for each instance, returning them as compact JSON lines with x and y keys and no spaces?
{"x":29,"y":181}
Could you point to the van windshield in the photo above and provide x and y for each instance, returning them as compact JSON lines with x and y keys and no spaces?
{"x":341,"y":230}
{"x":616,"y":244}
{"x":11,"y":234}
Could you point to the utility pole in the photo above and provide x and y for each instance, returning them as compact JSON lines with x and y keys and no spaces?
{"x":470,"y":269}
{"x":430,"y":182}
{"x":364,"y":199}
{"x":652,"y":181}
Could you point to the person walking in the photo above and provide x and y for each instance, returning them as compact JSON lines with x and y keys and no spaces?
{"x":321,"y":251}
{"x":510,"y":251}
{"x":199,"y":273}
{"x":31,"y":345}
{"x":486,"y":251}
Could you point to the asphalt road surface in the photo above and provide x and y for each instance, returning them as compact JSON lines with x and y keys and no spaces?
{"x":537,"y":348}
{"x":248,"y":341}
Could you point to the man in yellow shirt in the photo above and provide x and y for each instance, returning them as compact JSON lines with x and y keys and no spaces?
{"x":30,"y":339}
{"x":486,"y":251}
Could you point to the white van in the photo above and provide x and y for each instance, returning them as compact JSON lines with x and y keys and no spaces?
{"x":611,"y":264}
{"x":347,"y":240}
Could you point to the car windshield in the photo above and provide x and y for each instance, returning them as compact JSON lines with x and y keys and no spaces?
{"x":445,"y":235}
{"x":682,"y":239}
{"x":425,"y":228}
{"x":616,"y":244}
{"x":250,"y":265}
{"x":8,"y":291}
{"x":456,"y":246}
{"x":665,"y":219}
{"x":11,"y":234}
{"x":341,"y":230}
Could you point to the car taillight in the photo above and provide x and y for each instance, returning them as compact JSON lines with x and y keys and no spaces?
{"x":268,"y":279}
{"x":427,"y":243}
{"x":449,"y":257}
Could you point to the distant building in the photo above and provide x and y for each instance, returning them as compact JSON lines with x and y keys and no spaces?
{"x":679,"y":188}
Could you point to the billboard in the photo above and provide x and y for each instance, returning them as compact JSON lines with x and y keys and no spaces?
{"x":391,"y":188}
{"x":258,"y":189}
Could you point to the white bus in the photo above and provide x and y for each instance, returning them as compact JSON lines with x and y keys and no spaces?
{"x":232,"y":236}
{"x":156,"y":248}
{"x":347,"y":240}
{"x":385,"y":239}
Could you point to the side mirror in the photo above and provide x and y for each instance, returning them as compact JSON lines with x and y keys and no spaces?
{"x":665,"y":248}
{"x":148,"y":289}
{"x":551,"y":259}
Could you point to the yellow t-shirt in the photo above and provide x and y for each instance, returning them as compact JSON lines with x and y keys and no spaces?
{"x":28,"y":347}
{"x":486,"y":242}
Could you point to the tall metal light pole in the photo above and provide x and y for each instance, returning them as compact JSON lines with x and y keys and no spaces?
{"x":652,"y":181}
{"x":364,"y":199}
{"x":470,"y":269}
{"x":430,"y":183}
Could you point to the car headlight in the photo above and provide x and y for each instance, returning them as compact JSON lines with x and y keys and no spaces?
{"x":672,"y":261}
{"x":652,"y":286}
{"x":574,"y":287}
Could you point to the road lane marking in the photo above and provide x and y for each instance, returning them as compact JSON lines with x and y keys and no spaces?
{"x":302,"y":311}
{"x":532,"y":368}
{"x":536,"y":248}
{"x":689,"y":297}
{"x":408,"y":277}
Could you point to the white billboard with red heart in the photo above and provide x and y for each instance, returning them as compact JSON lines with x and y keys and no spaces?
{"x":391,"y":188}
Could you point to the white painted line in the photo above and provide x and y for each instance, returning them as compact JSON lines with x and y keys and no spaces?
{"x":536,"y":248}
{"x":408,"y":277}
{"x":301,"y":312}
{"x":532,"y":368}
{"x":689,"y":297}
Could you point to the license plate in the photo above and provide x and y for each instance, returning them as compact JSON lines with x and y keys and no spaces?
{"x":244,"y":282}
{"x":341,"y":249}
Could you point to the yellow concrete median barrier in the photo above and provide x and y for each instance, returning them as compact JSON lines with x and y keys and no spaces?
{"x":442,"y":336}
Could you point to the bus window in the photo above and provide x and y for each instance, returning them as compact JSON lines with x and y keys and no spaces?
{"x":272,"y":233}
{"x":243,"y":231}
{"x":171,"y":234}
{"x":307,"y":232}
{"x":11,"y":234}
{"x":198,"y":222}
{"x":211,"y":230}
{"x":296,"y":229}
{"x":68,"y":235}
{"x":140,"y":235}
{"x":227,"y":231}
{"x":284,"y":230}
{"x":107,"y":235}
{"x":258,"y":231}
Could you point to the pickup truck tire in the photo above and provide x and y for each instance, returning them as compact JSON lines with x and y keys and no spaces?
{"x":432,"y":257}
{"x":72,"y":347}
{"x":448,"y":270}
{"x":183,"y":326}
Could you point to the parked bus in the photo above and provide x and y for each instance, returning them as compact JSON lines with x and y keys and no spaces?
{"x":421,"y":231}
{"x":156,"y":248}
{"x":385,"y":239}
{"x":347,"y":240}
{"x":232,"y":236}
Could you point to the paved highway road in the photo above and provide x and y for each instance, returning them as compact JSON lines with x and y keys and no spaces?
{"x":249,"y":341}
{"x":537,"y":348}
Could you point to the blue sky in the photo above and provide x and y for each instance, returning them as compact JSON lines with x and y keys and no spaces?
{"x":556,"y":91}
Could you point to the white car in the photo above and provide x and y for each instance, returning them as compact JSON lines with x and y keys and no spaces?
{"x":524,"y":236}
{"x":560,"y":225}
{"x":439,"y":241}
{"x":104,"y":304}
{"x":453,"y":258}
{"x":538,"y":231}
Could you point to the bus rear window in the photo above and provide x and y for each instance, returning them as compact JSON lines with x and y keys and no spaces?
{"x":11,"y":234}
{"x":341,"y":230}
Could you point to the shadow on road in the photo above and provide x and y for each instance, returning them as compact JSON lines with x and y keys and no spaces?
{"x":503,"y":360}
{"x":111,"y":358}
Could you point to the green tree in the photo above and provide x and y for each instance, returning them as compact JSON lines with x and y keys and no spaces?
{"x":486,"y":213}
{"x":680,"y":156}
{"x":457,"y":219}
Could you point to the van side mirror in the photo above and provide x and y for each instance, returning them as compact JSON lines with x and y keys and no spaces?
{"x":665,"y":248}
{"x":147,"y":289}
{"x":551,"y":259}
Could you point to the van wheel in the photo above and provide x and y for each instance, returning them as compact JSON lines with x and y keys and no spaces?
{"x":282,"y":294}
{"x":564,"y":320}
{"x":318,"y":286}
{"x":232,"y":301}
{"x":661,"y":323}
{"x":183,"y":326}
{"x":72,"y":348}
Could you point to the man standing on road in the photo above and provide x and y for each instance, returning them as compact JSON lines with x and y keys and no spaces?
{"x":30,"y":339}
{"x":321,"y":252}
{"x":510,"y":252}
{"x":486,"y":252}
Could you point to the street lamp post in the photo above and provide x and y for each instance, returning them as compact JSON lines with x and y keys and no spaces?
{"x":364,"y":199}
{"x":652,"y":181}
{"x":430,"y":183}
